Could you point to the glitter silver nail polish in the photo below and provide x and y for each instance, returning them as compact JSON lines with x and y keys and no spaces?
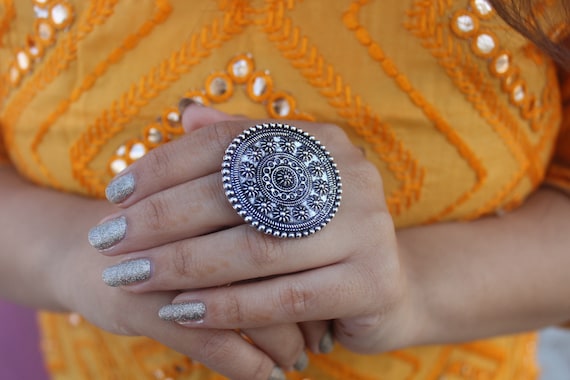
{"x":302,"y":362}
{"x":120,"y":188}
{"x":326,"y":344}
{"x":106,"y":235}
{"x":277,"y":374}
{"x":183,"y":312}
{"x":127,"y":273}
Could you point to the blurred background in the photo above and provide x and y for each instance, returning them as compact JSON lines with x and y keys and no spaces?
{"x":554,"y":354}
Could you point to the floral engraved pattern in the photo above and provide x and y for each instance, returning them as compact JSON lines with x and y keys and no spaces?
{"x":289,"y":187}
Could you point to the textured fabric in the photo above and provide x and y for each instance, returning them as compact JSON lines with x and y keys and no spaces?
{"x":559,"y":171}
{"x":458,"y":112}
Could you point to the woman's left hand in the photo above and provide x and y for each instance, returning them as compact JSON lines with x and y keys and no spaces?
{"x":178,"y":219}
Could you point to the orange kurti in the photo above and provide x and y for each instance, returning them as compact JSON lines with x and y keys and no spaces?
{"x":459,"y":113}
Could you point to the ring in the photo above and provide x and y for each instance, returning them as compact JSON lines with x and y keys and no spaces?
{"x":281,"y":180}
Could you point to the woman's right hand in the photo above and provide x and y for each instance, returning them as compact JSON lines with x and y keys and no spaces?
{"x":57,"y":269}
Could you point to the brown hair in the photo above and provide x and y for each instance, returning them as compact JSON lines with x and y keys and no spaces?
{"x":545,"y":23}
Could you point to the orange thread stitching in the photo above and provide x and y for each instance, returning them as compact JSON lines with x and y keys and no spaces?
{"x":8,"y":17}
{"x":169,"y":128}
{"x":376,"y":52}
{"x":161,"y":12}
{"x":305,"y":57}
{"x":114,"y":119}
{"x":64,"y":53}
{"x":440,"y":363}
{"x":471,"y":82}
{"x":551,"y":94}
{"x":336,"y":369}
{"x":410,"y":359}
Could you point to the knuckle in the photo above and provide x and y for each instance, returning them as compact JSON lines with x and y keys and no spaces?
{"x":182,"y":262}
{"x":262,"y":250}
{"x":296,"y":301}
{"x":365,"y":175}
{"x":215,"y":347}
{"x":159,"y":161}
{"x":155,"y":211}
{"x":232,"y":311}
{"x":359,"y":339}
{"x":222,"y":133}
{"x":212,"y":191}
{"x":335,"y":134}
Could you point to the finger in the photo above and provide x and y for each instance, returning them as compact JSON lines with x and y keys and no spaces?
{"x":318,"y":336}
{"x":192,"y":156}
{"x":204,"y":261}
{"x":233,"y":255}
{"x":190,"y":209}
{"x":326,"y":293}
{"x":285,"y":344}
{"x":196,"y":116}
{"x":224,"y":351}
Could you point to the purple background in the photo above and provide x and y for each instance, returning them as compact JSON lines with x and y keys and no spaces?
{"x":20,"y":356}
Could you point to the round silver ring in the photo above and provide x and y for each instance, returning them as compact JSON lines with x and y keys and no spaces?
{"x":281,"y":180}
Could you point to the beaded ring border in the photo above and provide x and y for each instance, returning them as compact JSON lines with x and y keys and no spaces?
{"x":281,"y":180}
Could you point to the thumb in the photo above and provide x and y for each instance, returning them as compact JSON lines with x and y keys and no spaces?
{"x":196,"y":116}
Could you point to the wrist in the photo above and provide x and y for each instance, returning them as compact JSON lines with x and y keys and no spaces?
{"x":419,"y":323}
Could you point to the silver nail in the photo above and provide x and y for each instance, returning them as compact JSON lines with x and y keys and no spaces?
{"x":127,"y":273}
{"x":120,"y":188}
{"x":326,"y":344}
{"x":302,"y":363}
{"x":277,"y":374}
{"x":183,"y":312}
{"x":107,"y":234}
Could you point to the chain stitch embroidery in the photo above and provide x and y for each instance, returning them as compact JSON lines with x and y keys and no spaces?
{"x":218,"y":88}
{"x":312,"y":66}
{"x":471,"y":81}
{"x":352,"y":23}
{"x":64,"y":53}
{"x":114,"y":119}
{"x":8,"y":16}
{"x":160,"y":14}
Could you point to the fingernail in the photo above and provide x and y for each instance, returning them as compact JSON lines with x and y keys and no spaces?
{"x":185,"y":103}
{"x":127,"y":273}
{"x":106,"y":235}
{"x":277,"y":374}
{"x":302,"y":363}
{"x":326,"y":344}
{"x":183,"y":312}
{"x":120,"y":188}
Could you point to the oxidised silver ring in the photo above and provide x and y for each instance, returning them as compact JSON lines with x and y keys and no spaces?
{"x":281,"y":180}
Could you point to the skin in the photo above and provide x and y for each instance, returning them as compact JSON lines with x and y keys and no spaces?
{"x":57,"y":270}
{"x":381,"y":288}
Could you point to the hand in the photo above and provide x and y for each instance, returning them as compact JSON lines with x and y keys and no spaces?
{"x":124,"y":313}
{"x":177,"y":218}
{"x":57,"y":270}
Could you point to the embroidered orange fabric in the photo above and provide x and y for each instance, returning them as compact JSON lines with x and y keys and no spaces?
{"x":3,"y":153}
{"x":559,"y":171}
{"x":419,"y":85}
